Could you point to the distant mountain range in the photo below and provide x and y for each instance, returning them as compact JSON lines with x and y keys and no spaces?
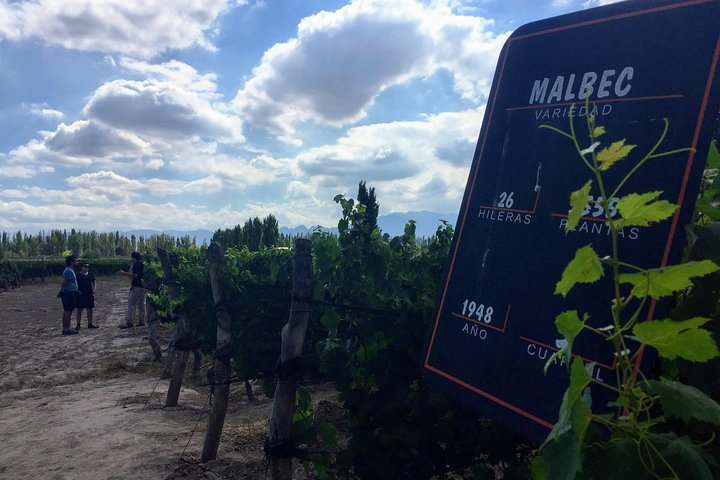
{"x":426,"y":223}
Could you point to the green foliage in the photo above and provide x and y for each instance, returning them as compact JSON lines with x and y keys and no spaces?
{"x":379,"y":294}
{"x":608,"y":156}
{"x":91,"y":244}
{"x":18,"y":271}
{"x":578,"y":199}
{"x":707,"y":208}
{"x":661,"y":427}
{"x":255,"y":234}
{"x":569,"y":325}
{"x":664,"y":282}
{"x":684,"y":339}
{"x":683,"y":401}
{"x":584,"y":268}
{"x":642,"y":210}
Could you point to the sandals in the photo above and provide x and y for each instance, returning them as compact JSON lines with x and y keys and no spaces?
{"x":92,"y":326}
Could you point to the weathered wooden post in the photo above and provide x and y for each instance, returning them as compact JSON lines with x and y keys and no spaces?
{"x":293,"y":336}
{"x":222,"y":358}
{"x":177,"y":359}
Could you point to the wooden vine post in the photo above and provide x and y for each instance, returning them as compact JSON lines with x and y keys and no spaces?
{"x":178,"y":357}
{"x":222,"y":358}
{"x":293,"y":337}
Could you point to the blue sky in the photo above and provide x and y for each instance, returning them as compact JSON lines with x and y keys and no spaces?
{"x":129,"y":114}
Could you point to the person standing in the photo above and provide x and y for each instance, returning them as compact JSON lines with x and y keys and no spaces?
{"x":68,"y":294}
{"x":86,"y":297}
{"x":136,"y":297}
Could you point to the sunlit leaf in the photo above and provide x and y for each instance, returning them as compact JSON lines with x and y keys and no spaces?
{"x":663,"y":282}
{"x":684,"y":402}
{"x":598,"y":131}
{"x":684,"y":339}
{"x":578,"y":200}
{"x":608,"y":156}
{"x":643,"y":209}
{"x":584,"y":268}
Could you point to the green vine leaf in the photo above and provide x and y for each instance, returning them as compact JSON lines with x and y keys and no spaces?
{"x":561,"y":459}
{"x":684,"y":339}
{"x":584,"y":268}
{"x":663,"y":282}
{"x":580,"y":376}
{"x":574,"y":409}
{"x":569,"y":325}
{"x":582,"y":416}
{"x":684,"y":402}
{"x":608,"y":156}
{"x":598,"y":131}
{"x":643,"y":209}
{"x":578,"y":200}
{"x":686,"y":458}
{"x":328,"y":434}
{"x":713,"y":160}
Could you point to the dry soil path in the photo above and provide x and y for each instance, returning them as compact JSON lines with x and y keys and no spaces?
{"x":89,"y":406}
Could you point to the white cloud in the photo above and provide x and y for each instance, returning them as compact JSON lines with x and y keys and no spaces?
{"x":407,"y":162}
{"x":340,"y":61}
{"x":160,"y":110}
{"x":136,"y":124}
{"x":132,"y":27}
{"x":177,"y":73}
{"x":80,"y":144}
{"x":42,"y":110}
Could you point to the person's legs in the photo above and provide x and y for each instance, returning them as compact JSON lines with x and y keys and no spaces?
{"x":90,"y":318}
{"x":141,"y":305}
{"x":67,"y":316}
{"x":135,"y":296}
{"x":130,"y":309}
{"x":69,"y":302}
{"x":78,"y":318}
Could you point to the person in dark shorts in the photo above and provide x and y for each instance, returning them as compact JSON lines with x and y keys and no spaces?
{"x":86,"y":295}
{"x":68,"y":294}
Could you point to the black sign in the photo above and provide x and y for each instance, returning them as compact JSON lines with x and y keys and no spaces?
{"x":493,"y":329}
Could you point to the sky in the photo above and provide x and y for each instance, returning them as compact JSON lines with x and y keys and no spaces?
{"x":184,"y":115}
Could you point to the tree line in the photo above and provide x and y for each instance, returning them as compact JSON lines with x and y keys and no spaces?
{"x":255,"y":234}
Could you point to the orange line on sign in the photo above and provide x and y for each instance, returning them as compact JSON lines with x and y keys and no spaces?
{"x":691,"y":157}
{"x":495,"y":399}
{"x":608,"y":367}
{"x":609,"y":100}
{"x":615,"y":17}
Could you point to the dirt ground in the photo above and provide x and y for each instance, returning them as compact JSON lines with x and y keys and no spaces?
{"x":90,"y":406}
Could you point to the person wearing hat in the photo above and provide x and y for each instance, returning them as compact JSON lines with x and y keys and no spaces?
{"x":86,"y":295}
